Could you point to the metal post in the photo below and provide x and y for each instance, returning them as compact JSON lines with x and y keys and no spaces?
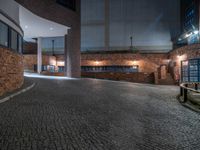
{"x":131,"y":47}
{"x":196,"y":86}
{"x":181,"y":91}
{"x":185,"y":94}
{"x":53,"y":47}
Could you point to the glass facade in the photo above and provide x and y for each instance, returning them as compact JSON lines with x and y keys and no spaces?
{"x":10,"y":38}
{"x":190,"y":21}
{"x":190,"y":17}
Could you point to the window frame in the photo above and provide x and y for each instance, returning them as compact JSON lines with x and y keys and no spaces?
{"x":7,"y":35}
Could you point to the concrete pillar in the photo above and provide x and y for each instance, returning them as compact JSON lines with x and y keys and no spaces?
{"x":72,"y":53}
{"x":107,"y":24}
{"x":39,"y":55}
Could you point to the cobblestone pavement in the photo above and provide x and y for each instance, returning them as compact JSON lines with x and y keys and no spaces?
{"x":91,"y":114}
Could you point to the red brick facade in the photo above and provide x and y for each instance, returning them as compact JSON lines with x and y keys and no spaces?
{"x":160,"y":66}
{"x":183,"y":53}
{"x":11,"y":71}
{"x":148,"y":64}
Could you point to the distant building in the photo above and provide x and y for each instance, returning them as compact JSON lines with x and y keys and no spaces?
{"x":189,"y":22}
{"x":107,"y":25}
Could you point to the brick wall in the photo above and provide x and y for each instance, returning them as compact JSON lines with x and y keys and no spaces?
{"x":11,"y":71}
{"x":139,"y":77}
{"x":31,"y":60}
{"x":29,"y":48}
{"x":183,"y":53}
{"x":147,"y":62}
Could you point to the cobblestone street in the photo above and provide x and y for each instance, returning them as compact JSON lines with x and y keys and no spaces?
{"x":86,"y":114}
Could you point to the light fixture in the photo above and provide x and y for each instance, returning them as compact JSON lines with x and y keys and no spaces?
{"x":97,"y":62}
{"x":196,"y":32}
{"x":51,"y":28}
{"x":26,"y":27}
{"x":134,"y":62}
{"x":188,"y":35}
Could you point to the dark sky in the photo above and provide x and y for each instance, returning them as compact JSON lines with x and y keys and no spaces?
{"x":152,"y":23}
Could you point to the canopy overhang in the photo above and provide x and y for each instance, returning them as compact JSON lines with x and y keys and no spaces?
{"x":35,"y":26}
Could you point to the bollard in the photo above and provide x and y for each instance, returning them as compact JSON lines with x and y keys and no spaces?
{"x":185,"y":93}
{"x":181,"y":91}
{"x":196,"y":86}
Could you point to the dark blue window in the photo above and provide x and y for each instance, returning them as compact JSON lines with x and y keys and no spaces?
{"x":3,"y":34}
{"x":123,"y":69}
{"x":190,"y":70}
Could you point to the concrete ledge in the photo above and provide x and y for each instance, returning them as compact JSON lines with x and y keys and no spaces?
{"x":17,"y":93}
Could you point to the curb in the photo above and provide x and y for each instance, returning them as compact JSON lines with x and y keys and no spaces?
{"x":17,"y":93}
{"x":187,"y":105}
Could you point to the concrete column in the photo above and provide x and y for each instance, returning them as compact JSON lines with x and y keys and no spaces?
{"x":72,"y":53}
{"x":107,"y":24}
{"x":39,"y":55}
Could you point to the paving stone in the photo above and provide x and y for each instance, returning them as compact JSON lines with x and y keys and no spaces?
{"x":86,"y":114}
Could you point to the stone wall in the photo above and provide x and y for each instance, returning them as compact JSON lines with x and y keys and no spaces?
{"x":138,"y":77}
{"x":180,"y":54}
{"x":146,"y":62}
{"x":29,"y":48}
{"x":11,"y":71}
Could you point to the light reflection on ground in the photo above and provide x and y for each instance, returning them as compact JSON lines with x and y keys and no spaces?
{"x":35,"y":75}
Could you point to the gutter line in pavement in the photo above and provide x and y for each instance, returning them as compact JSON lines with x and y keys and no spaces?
{"x":17,"y":93}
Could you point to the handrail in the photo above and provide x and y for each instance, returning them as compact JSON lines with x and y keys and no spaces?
{"x":184,"y":90}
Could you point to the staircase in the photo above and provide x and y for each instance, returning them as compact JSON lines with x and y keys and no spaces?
{"x":168,"y":81}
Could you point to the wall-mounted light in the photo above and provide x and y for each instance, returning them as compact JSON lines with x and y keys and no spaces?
{"x":97,"y":62}
{"x":60,"y":63}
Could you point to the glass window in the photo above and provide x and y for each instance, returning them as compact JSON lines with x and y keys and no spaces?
{"x":14,"y":40}
{"x":3,"y":34}
{"x":20,"y":41}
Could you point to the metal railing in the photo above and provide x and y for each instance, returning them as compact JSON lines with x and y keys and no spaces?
{"x":184,"y":88}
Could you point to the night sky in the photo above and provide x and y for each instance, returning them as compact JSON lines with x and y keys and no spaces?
{"x":152,"y":23}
